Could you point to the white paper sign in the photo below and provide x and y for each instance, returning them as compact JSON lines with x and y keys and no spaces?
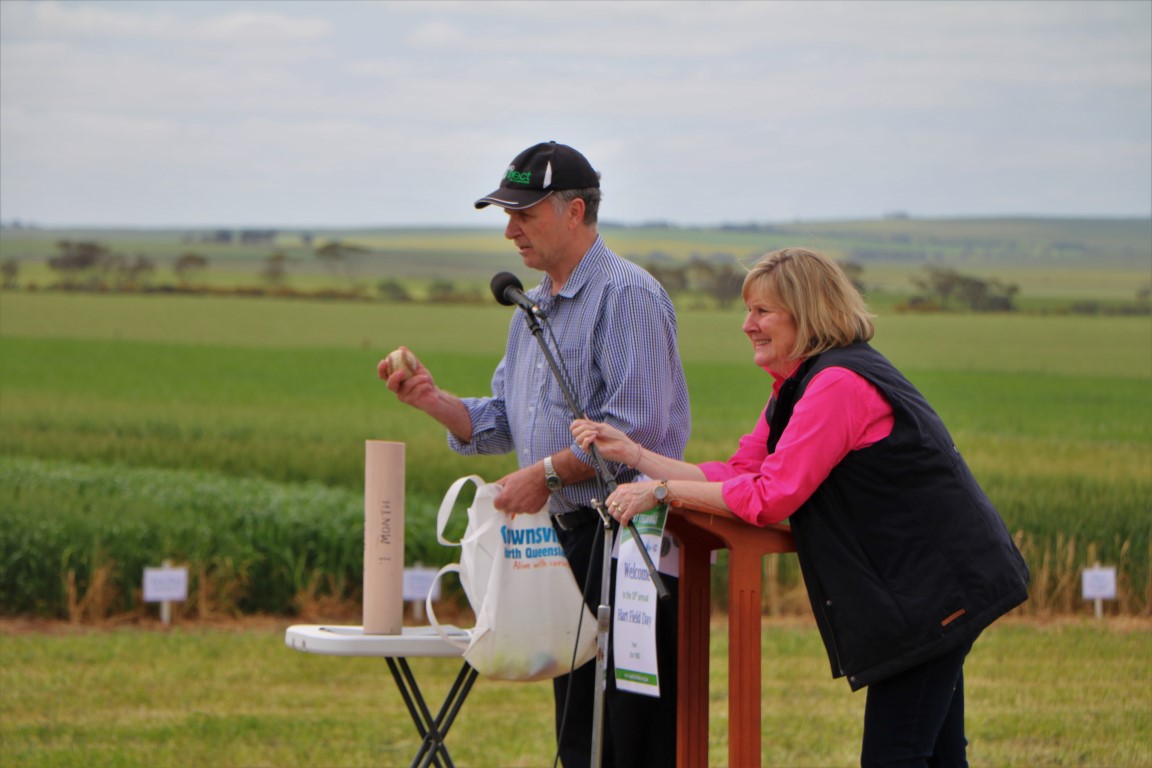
{"x":417,"y":582}
{"x":1099,"y":583}
{"x":165,"y":585}
{"x":634,"y":620}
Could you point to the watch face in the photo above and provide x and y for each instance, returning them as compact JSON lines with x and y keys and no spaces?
{"x":660,"y":492}
{"x":555,"y":483}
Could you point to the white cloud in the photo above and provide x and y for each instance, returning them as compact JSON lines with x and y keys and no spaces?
{"x":154,"y":21}
{"x":755,"y":107}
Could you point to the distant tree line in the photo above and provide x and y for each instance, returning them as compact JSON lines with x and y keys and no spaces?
{"x":947,"y":288}
{"x":718,"y":277}
{"x":91,"y":266}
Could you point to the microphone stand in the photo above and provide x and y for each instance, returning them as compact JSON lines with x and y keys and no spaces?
{"x":604,"y":610}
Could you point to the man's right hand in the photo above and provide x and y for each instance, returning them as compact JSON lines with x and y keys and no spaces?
{"x":416,"y":389}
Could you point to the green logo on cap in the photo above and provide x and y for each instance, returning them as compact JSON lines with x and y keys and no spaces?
{"x":518,"y":177}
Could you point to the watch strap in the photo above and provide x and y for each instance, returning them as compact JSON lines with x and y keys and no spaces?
{"x":550,"y":477}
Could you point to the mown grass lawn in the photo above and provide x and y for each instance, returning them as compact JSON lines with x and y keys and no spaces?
{"x":1068,"y":693}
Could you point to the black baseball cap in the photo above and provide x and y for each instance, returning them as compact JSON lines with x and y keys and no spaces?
{"x":539,"y":171}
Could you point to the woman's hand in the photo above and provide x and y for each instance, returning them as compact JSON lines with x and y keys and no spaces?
{"x":613,"y":444}
{"x":631,"y":499}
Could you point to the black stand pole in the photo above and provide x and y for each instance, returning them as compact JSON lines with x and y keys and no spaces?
{"x":606,"y":476}
{"x":604,"y":611}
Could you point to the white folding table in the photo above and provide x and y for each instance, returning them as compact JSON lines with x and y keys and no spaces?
{"x":396,"y":649}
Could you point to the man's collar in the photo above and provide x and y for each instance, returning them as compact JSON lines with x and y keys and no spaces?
{"x":595,"y":255}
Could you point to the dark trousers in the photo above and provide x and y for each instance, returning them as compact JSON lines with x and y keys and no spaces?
{"x":639,"y":731}
{"x":916,"y":719}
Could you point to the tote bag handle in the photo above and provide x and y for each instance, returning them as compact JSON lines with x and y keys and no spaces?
{"x":447,"y":504}
{"x":456,"y":640}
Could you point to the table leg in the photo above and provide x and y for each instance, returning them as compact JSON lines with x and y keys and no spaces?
{"x":432,"y":730}
{"x":447,"y":715}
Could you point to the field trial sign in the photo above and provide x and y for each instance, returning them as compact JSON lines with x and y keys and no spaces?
{"x":418,"y":582}
{"x":1099,"y":583}
{"x":165,"y":584}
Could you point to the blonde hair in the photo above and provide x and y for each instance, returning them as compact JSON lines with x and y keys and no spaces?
{"x":827,"y":308}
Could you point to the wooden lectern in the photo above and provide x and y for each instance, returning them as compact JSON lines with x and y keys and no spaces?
{"x":747,"y":545}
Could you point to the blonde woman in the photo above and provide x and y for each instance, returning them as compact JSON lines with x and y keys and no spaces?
{"x":904,"y":557}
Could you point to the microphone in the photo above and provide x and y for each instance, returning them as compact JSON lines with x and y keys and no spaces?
{"x":508,"y":290}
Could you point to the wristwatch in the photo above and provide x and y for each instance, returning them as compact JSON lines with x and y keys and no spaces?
{"x":660,"y":492}
{"x":550,"y":477}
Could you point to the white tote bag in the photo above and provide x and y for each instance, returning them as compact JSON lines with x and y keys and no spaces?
{"x":530,"y":616}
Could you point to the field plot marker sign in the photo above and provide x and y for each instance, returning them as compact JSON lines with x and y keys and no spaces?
{"x":165,"y":585}
{"x":1098,"y":584}
{"x":418,"y":582}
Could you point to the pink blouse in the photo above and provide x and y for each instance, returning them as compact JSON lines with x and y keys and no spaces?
{"x":839,"y":412}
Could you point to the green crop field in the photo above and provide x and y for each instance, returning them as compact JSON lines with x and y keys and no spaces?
{"x":248,"y":411}
{"x":244,"y":408}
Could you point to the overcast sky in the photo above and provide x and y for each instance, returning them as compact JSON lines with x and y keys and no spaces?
{"x":332,"y":113}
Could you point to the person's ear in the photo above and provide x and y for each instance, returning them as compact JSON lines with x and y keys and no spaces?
{"x":575,"y":211}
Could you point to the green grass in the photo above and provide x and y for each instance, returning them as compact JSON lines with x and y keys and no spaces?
{"x":1070,"y":694}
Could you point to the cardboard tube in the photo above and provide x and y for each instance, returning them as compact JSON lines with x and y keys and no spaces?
{"x":383,"y":537}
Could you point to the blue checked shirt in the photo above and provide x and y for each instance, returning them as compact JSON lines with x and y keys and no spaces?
{"x":616,"y":329}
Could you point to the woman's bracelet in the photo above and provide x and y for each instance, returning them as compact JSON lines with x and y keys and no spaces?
{"x":639,"y":455}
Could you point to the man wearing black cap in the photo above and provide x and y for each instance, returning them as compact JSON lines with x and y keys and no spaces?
{"x":616,"y":330}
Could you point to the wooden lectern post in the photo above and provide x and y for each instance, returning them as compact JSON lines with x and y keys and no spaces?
{"x":699,"y":534}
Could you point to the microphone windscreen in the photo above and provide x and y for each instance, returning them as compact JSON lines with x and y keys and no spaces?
{"x":501,"y":283}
